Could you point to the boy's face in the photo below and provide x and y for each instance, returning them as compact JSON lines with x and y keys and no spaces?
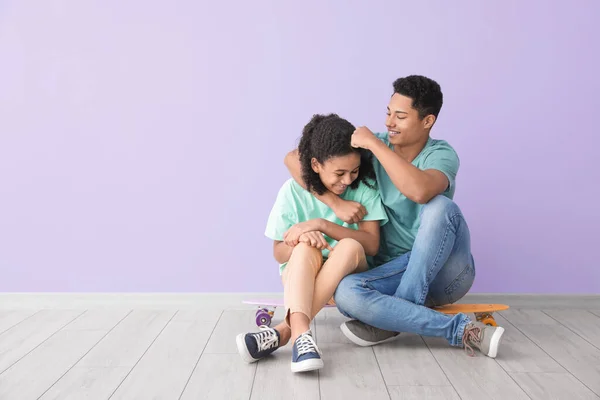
{"x":404,"y":126}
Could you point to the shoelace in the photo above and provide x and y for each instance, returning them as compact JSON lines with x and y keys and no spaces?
{"x":266,"y":339}
{"x":472,"y":335}
{"x":306,"y":344}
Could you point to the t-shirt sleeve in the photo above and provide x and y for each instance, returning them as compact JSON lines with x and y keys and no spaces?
{"x":371,"y":200}
{"x":383,"y":136}
{"x":444,"y":159}
{"x":282,"y":216}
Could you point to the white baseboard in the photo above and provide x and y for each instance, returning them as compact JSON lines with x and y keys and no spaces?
{"x":234,"y":300}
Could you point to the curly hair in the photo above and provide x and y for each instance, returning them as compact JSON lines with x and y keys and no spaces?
{"x":327,"y":136}
{"x":425,"y":93}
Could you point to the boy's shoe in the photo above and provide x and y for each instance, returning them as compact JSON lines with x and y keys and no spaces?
{"x":483,"y":337}
{"x":306,"y":356}
{"x":366,"y":335}
{"x":254,"y":346}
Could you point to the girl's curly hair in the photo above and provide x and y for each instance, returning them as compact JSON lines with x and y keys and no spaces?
{"x":327,"y":136}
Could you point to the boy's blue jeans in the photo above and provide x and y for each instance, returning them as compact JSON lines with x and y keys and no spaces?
{"x":439,"y":270}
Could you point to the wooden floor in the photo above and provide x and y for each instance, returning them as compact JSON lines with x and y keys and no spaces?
{"x":144,"y":353}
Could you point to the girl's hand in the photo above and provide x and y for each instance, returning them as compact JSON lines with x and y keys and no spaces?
{"x":315,"y":239}
{"x":292,"y":236}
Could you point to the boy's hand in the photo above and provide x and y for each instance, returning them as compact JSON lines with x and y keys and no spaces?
{"x":351,"y":212}
{"x":362,"y":137}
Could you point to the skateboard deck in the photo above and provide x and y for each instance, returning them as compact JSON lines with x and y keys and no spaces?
{"x":266,"y":309}
{"x":483,"y":312}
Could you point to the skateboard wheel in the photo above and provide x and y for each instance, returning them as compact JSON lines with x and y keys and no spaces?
{"x":263,"y":318}
{"x":486,"y":319}
{"x":261,"y":310}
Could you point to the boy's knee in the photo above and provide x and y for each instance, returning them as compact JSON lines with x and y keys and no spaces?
{"x":345,"y":292}
{"x":439,"y":207}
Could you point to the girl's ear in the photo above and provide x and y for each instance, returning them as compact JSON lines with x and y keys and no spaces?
{"x":316,"y":166}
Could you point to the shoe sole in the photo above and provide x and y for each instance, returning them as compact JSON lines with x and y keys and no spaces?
{"x":243,"y":350}
{"x":495,"y":342}
{"x":307,"y":365}
{"x":361,"y":342}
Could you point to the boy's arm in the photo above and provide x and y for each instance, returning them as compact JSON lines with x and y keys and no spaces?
{"x":348,"y":211}
{"x":417,"y":185}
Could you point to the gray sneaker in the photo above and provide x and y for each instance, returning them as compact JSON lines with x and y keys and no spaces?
{"x":366,"y":335}
{"x":483,"y":337}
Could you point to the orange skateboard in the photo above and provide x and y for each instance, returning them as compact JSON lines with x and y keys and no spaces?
{"x":483,"y":312}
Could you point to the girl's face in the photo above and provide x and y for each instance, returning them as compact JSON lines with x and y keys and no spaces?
{"x":337,"y":173}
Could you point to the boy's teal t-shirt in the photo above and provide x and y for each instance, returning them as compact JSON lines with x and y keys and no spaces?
{"x":294,"y":204}
{"x":398,"y":236}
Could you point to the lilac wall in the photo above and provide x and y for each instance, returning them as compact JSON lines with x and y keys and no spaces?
{"x":132,"y":133}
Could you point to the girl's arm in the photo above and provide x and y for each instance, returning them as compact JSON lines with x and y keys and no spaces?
{"x":281,"y":251}
{"x":367,"y":233}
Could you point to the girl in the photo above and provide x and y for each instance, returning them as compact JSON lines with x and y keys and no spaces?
{"x":313,"y":247}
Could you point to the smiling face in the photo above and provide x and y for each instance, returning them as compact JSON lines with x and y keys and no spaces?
{"x":337,"y":173}
{"x":405,"y":127}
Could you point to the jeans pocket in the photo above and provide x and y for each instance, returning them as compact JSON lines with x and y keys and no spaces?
{"x":461,"y":285}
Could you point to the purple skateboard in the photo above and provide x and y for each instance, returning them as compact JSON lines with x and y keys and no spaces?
{"x":266,"y":309}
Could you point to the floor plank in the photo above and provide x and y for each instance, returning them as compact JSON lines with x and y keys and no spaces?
{"x":232,"y":322}
{"x":583,"y":323}
{"x":518,"y":353}
{"x":103,"y":369}
{"x":275,"y":380}
{"x":544,"y":386}
{"x":124,"y":346}
{"x":220,"y":376}
{"x":478,"y":377}
{"x":572,"y":352}
{"x":350,"y":371}
{"x":16,"y":342}
{"x":164,"y":370}
{"x":423,"y":392}
{"x":31,"y":376}
{"x":89,"y":383}
{"x":407,"y":361}
{"x":10,"y":318}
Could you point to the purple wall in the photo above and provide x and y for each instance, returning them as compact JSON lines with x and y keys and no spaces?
{"x":141,"y":143}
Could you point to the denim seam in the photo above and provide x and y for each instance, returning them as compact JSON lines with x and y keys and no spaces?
{"x":367,"y":281}
{"x":461,"y":331}
{"x":437,"y":257}
{"x":456,"y":282}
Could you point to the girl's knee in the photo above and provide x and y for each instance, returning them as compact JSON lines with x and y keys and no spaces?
{"x":306,"y":249}
{"x":350,"y":244}
{"x":350,"y":247}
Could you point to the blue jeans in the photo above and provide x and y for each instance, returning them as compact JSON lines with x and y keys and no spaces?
{"x":439,"y":270}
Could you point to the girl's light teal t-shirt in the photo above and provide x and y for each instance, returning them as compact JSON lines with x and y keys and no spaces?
{"x":294,"y":204}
